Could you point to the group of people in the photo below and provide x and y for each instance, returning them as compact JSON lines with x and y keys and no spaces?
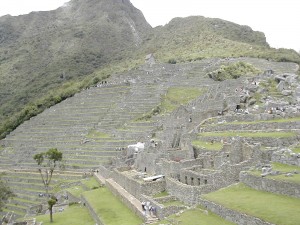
{"x":146,"y":207}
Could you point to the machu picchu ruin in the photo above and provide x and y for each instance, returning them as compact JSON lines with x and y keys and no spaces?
{"x":156,"y":139}
{"x":204,"y":145}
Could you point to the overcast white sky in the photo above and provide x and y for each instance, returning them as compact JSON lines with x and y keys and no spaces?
{"x":278,"y":19}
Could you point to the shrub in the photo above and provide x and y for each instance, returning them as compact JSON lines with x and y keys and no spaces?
{"x":233,"y":71}
{"x":172,"y":61}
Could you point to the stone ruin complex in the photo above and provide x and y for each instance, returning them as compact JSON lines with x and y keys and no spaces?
{"x":159,"y":154}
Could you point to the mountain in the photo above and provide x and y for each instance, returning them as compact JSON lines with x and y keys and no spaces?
{"x":46,"y":57}
{"x":42,"y":50}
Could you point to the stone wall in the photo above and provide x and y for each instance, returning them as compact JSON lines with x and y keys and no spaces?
{"x":286,"y":159}
{"x":106,"y":173}
{"x":253,"y":126}
{"x":231,"y":215}
{"x":264,"y":141}
{"x":125,"y":200}
{"x":92,"y":211}
{"x":138,"y":187}
{"x":161,"y":210}
{"x":167,"y":167}
{"x":270,"y":185}
{"x":186,"y":193}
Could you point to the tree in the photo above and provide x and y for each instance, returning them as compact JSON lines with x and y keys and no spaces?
{"x":51,"y":202}
{"x":48,"y":161}
{"x":5,"y":193}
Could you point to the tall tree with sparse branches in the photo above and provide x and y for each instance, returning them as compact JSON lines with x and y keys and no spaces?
{"x":47,"y":162}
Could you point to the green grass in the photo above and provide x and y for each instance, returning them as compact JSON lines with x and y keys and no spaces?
{"x":249,"y":134}
{"x":196,"y":217}
{"x":111,"y":210}
{"x":277,"y":209}
{"x":96,"y":134}
{"x":296,"y":149}
{"x":178,"y":95}
{"x":73,"y":215}
{"x":174,"y":97}
{"x":161,"y":194}
{"x":284,"y":167}
{"x":216,"y":146}
{"x":91,"y":183}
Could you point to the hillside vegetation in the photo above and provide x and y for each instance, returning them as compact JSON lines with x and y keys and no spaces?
{"x":46,"y":57}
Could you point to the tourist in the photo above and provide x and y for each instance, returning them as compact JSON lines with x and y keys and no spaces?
{"x":144,"y":208}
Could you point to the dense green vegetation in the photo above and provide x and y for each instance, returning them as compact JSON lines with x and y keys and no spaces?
{"x":284,"y":211}
{"x":233,"y":71}
{"x":43,"y":62}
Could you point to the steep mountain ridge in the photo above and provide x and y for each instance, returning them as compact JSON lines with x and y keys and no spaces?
{"x":41,"y":50}
{"x":46,"y":57}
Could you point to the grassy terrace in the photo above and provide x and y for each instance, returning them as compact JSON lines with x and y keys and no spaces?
{"x":285,"y":169}
{"x":74,"y":215}
{"x":195,"y":216}
{"x":276,"y":209}
{"x":110,"y":209}
{"x":174,"y":97}
{"x":249,"y":134}
{"x":296,"y":149}
{"x":90,"y":183}
{"x":216,"y":146}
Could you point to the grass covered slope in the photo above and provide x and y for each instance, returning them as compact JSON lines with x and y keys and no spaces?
{"x":75,"y":215}
{"x":276,"y":209}
{"x":111,"y":210}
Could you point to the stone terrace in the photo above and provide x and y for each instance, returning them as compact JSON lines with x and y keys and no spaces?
{"x":110,"y":110}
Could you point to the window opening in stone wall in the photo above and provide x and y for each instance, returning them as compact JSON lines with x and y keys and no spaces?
{"x":192,"y":180}
{"x":186,"y":179}
{"x":205,"y":181}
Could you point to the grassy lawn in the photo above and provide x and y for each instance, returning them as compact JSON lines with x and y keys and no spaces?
{"x":284,"y":167}
{"x":91,"y":183}
{"x":73,"y":215}
{"x":277,"y":209}
{"x":195,"y":217}
{"x":249,"y":134}
{"x":111,"y":210}
{"x":216,"y":146}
